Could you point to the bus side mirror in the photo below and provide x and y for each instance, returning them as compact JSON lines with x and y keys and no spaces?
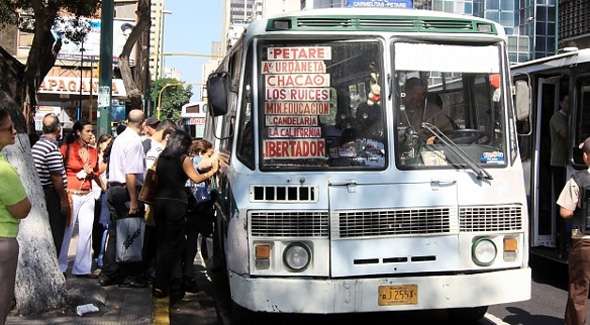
{"x":217,"y":93}
{"x":522,"y":102}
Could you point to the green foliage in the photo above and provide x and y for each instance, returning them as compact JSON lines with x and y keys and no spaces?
{"x":173,"y":97}
{"x":79,"y":8}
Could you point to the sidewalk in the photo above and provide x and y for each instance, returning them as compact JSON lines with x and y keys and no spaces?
{"x":118,"y":305}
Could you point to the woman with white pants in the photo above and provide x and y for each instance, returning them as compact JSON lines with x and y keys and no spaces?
{"x":81,"y":162}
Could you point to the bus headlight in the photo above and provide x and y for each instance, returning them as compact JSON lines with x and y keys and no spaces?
{"x":484,"y":252}
{"x":297,"y":256}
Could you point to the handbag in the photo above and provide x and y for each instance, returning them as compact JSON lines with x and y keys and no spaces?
{"x":130,"y":233}
{"x":150,"y":185}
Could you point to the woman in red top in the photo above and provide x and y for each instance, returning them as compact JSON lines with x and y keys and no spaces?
{"x":81,"y":162}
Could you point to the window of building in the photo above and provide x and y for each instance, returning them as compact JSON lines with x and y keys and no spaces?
{"x":492,"y":4}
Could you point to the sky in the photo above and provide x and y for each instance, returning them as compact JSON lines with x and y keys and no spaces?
{"x":191,"y":27}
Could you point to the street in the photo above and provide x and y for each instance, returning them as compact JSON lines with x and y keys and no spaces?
{"x":546,"y":306}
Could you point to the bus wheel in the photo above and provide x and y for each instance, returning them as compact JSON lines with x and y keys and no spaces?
{"x":467,"y":315}
{"x":241,"y":315}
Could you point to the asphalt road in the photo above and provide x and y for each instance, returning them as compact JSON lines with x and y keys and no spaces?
{"x":211,"y":306}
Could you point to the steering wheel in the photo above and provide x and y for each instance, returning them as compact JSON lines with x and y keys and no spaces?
{"x":464,"y":136}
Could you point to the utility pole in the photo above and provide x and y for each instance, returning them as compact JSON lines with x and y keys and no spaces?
{"x":105,"y":82}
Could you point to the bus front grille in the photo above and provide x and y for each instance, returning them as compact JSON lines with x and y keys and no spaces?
{"x":490,"y":218}
{"x":375,"y":223}
{"x":289,"y":224}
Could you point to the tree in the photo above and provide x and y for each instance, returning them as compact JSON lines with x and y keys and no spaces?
{"x":39,"y":284}
{"x":173,"y":97}
{"x":136,"y":83}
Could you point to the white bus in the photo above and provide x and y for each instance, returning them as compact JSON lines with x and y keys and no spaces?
{"x":564,"y":77}
{"x":193,"y":117}
{"x":338,"y":198}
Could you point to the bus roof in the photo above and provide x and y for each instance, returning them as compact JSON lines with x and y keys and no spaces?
{"x":555,"y":61}
{"x":376,"y":19}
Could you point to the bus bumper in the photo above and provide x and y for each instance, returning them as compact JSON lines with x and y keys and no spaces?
{"x":326,"y":296}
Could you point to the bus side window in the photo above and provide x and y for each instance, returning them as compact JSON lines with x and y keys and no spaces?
{"x":229,"y":119}
{"x":245,"y":147}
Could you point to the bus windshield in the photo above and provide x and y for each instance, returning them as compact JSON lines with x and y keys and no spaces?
{"x":321,"y":105}
{"x":458,"y":90}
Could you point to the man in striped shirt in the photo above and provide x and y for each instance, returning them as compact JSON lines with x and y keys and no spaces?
{"x":50,"y":167}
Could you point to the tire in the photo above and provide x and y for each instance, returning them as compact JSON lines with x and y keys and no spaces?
{"x":467,"y":315}
{"x":242,"y":316}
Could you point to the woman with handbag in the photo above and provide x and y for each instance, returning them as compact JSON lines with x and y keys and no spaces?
{"x":199,"y":213}
{"x":81,"y":163}
{"x":170,"y":205}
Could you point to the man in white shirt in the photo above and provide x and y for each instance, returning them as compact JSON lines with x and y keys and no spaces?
{"x":126,"y":171}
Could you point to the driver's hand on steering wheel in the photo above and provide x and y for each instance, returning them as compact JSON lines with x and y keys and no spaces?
{"x":430,"y":140}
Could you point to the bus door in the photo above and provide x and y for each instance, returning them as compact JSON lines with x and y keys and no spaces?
{"x":365,"y":217}
{"x":545,"y":215}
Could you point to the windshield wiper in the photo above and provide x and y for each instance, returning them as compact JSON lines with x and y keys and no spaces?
{"x":480,"y":172}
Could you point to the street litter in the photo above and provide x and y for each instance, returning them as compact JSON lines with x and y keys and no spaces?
{"x":85,"y":309}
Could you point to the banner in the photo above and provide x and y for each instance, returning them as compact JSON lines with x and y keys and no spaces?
{"x":71,"y":51}
{"x":402,"y":4}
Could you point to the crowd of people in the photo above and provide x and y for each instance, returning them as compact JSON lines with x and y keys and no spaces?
{"x":92,"y":188}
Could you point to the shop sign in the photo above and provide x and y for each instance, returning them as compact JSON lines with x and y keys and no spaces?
{"x":280,"y":120}
{"x":298,"y":94}
{"x":299,"y":53}
{"x":278,"y":67}
{"x":297,"y":108}
{"x":295,"y":132}
{"x":297,"y":80}
{"x":71,"y":86}
{"x":294,"y":149}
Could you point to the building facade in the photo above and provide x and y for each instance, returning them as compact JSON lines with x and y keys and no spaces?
{"x":531,"y":25}
{"x":156,"y":38}
{"x":574,"y":23}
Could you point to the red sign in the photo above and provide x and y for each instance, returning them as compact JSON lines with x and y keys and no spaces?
{"x":280,"y":120}
{"x":196,"y":121}
{"x":297,"y":80}
{"x":297,"y":132}
{"x":297,"y":108}
{"x":294,"y":149}
{"x":299,"y":53}
{"x":278,"y":67}
{"x":298,"y":94}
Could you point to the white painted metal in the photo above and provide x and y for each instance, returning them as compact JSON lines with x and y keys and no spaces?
{"x":323,"y":296}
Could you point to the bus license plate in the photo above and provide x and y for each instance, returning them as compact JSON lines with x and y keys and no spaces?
{"x":398,"y":295}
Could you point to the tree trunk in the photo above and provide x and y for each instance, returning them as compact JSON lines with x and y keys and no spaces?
{"x":134,"y":92}
{"x":40,"y":286}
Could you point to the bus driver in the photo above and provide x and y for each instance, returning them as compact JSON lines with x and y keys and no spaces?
{"x":423,"y":107}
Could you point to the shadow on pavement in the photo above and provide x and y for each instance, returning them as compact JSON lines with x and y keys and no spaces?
{"x":522,"y":317}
